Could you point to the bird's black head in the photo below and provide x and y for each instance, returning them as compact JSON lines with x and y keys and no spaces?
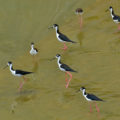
{"x":57,"y":55}
{"x":82,"y":88}
{"x":9,"y":63}
{"x":55,"y":25}
{"x":32,"y":43}
{"x":110,"y":7}
{"x":79,"y":11}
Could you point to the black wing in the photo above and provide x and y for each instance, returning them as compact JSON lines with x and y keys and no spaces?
{"x":36,"y":49}
{"x":65,"y":38}
{"x":116,"y":17}
{"x":93,"y":97}
{"x":22,"y":72}
{"x":67,"y":68}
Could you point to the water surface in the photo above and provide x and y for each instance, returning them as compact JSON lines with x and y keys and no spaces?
{"x":96,"y":57}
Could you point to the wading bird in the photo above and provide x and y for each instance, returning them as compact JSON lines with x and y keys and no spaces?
{"x":33,"y":50}
{"x":115,"y":17}
{"x":18,"y":73}
{"x":91,"y":98}
{"x":65,"y":68}
{"x":79,"y":11}
{"x":61,"y":37}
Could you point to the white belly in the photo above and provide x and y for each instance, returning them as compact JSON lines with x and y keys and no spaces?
{"x":33,"y":52}
{"x":61,"y":68}
{"x":87,"y":98}
{"x":116,"y":21}
{"x":13,"y":72}
{"x":57,"y":35}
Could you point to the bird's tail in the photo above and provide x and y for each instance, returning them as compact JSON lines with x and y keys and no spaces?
{"x":103,"y":100}
{"x":73,"y":41}
{"x":28,"y":72}
{"x":74,"y":71}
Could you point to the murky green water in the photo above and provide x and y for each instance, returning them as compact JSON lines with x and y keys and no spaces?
{"x":96,"y":57}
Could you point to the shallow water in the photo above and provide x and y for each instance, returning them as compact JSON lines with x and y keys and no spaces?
{"x":96,"y":57}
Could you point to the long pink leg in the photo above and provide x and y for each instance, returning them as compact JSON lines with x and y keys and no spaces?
{"x":98,"y":110}
{"x":21,"y":84}
{"x":119,"y":27}
{"x":69,"y":79}
{"x":90,"y":108}
{"x":20,"y":87}
{"x":66,"y":77}
{"x":65,"y":47}
{"x":81,"y":21}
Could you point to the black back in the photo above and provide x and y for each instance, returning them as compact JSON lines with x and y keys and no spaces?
{"x":116,"y":17}
{"x":65,"y":38}
{"x":67,"y":68}
{"x":93,"y":97}
{"x":22,"y":72}
{"x":36,"y":49}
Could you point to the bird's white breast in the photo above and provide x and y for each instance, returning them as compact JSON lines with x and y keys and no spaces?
{"x":33,"y":52}
{"x":116,"y":21}
{"x":87,"y":98}
{"x":59,"y":65}
{"x":13,"y":73}
{"x":62,"y":69}
{"x":57,"y":35}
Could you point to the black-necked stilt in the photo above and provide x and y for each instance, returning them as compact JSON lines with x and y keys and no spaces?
{"x":33,"y":50}
{"x":18,"y":73}
{"x":115,"y":17}
{"x":61,"y":37}
{"x":90,"y":97}
{"x":65,"y":68}
{"x":79,"y":11}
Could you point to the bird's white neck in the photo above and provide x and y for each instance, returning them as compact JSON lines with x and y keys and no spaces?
{"x":112,"y":12}
{"x":83,"y":91}
{"x":56,"y":29}
{"x":58,"y":60}
{"x":11,"y":67}
{"x":32,"y":46}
